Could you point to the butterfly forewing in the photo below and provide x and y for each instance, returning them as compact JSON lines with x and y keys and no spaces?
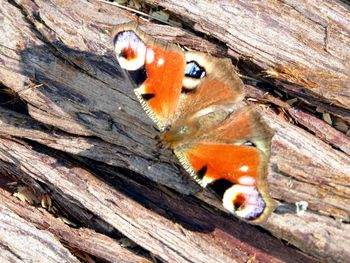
{"x":156,"y":69}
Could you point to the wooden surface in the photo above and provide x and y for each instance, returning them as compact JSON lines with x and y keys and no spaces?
{"x":71,"y":129}
{"x":304,"y":44}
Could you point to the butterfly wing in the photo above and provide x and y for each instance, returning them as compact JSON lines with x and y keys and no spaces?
{"x":208,"y":83}
{"x":232,"y":160}
{"x":156,"y":69}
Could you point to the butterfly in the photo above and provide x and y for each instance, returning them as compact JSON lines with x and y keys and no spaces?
{"x":197,"y":102}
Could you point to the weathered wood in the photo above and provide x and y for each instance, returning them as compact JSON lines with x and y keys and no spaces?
{"x":82,"y":239}
{"x":56,"y":57}
{"x":305,"y":44}
{"x":315,"y":125}
{"x":20,"y":241}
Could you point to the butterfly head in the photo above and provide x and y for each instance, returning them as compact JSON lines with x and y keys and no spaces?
{"x":178,"y":133}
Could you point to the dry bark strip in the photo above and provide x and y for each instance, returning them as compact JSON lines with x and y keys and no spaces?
{"x":304,"y":44}
{"x":313,"y":124}
{"x":82,"y":239}
{"x":21,"y":241}
{"x":56,"y":57}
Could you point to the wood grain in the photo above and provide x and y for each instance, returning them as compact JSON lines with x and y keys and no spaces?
{"x":77,"y":239}
{"x":174,"y":230}
{"x":304,"y":45}
{"x":20,"y":240}
{"x":70,"y":126}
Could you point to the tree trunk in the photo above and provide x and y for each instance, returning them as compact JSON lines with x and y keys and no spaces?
{"x":77,"y":146}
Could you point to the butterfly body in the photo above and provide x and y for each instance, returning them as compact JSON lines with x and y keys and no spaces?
{"x":196,"y":101}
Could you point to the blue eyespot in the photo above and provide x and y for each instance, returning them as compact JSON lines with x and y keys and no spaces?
{"x":193,"y":70}
{"x":249,"y":143}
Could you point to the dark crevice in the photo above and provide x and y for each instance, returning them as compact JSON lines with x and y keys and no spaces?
{"x":11,"y":251}
{"x":11,"y":101}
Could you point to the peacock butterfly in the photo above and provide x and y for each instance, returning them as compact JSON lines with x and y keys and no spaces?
{"x":196,"y":101}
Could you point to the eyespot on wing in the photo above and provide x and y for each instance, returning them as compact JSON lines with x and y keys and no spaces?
{"x":236,"y":173}
{"x":155,"y":68}
{"x":130,"y":50}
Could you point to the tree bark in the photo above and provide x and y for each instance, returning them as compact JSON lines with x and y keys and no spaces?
{"x":71,"y":130}
{"x":304,"y":45}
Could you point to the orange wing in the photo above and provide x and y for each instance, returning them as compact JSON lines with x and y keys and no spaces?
{"x":156,"y":69}
{"x":232,"y":160}
{"x":218,"y":86}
